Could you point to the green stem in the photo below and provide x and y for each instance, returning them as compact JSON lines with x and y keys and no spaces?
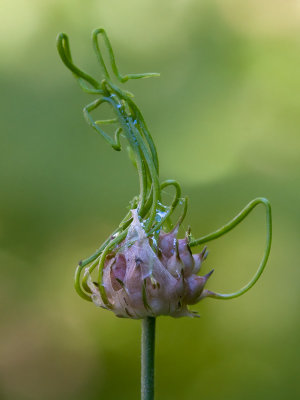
{"x":230,"y":225}
{"x":148,"y":349}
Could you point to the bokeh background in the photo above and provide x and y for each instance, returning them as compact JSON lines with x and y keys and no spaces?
{"x":225,"y":118}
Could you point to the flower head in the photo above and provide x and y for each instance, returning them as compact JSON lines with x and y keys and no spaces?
{"x":143,"y":280}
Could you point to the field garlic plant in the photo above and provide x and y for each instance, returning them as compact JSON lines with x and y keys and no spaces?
{"x":143,"y":270}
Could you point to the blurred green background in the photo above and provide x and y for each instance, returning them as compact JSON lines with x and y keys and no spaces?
{"x":225,"y":118}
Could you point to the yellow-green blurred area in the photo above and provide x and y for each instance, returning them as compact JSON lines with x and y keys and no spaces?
{"x":225,"y":118}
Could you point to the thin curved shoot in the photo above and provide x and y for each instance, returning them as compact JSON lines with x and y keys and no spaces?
{"x":63,"y":47}
{"x":115,"y":143}
{"x":228,"y":227}
{"x":121,"y":78}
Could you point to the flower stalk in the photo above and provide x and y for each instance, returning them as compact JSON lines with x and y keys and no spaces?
{"x":147,"y":358}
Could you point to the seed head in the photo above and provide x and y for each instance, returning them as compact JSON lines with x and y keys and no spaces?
{"x":142,"y":280}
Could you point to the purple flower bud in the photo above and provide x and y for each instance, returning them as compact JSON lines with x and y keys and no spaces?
{"x":140,"y":281}
{"x":198,"y":259}
{"x":186,"y":256}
